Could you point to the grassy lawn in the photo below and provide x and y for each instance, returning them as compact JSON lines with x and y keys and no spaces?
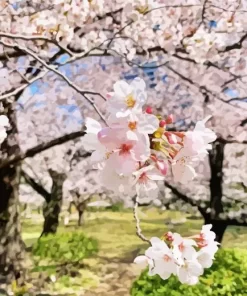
{"x":115,"y":232}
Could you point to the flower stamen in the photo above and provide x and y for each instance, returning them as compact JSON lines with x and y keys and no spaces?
{"x":130,"y":101}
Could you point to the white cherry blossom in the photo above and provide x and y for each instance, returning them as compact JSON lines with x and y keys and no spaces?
{"x":182,"y":166}
{"x":164,"y":262}
{"x":142,"y":123}
{"x":185,"y":246}
{"x":90,"y":142}
{"x":146,"y":180}
{"x":189,"y":272}
{"x":127,"y":98}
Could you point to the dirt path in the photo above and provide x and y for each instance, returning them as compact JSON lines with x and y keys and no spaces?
{"x":115,"y":279}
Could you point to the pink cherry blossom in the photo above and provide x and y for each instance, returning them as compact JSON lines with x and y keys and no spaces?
{"x":125,"y":154}
{"x":146,"y":179}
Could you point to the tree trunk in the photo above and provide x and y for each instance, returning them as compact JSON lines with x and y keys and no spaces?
{"x":12,"y":248}
{"x":80,"y":217}
{"x":218,"y":227}
{"x":53,"y":207}
{"x":216,"y":158}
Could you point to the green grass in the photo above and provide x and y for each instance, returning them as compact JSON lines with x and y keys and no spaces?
{"x":115,"y":232}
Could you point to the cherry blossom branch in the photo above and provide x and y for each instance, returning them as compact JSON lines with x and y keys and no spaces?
{"x":225,"y":9}
{"x":40,"y":148}
{"x":237,"y":45}
{"x":23,"y":86}
{"x":173,"y":6}
{"x":138,"y":228}
{"x":202,"y":88}
{"x":36,"y":37}
{"x":64,"y":77}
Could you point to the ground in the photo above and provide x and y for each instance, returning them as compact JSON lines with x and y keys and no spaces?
{"x":111,"y":271}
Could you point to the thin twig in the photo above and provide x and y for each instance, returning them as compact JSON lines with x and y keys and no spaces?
{"x":138,"y":228}
{"x":35,"y":38}
{"x":23,"y":86}
{"x":22,"y":76}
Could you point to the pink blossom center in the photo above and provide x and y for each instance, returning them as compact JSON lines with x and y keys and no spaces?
{"x":202,"y":242}
{"x":125,"y":149}
{"x":143,"y":178}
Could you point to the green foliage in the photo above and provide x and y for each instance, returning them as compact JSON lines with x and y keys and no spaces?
{"x":65,"y":247}
{"x":117,"y":207}
{"x":227,"y":277}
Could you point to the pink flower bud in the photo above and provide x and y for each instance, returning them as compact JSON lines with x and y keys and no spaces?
{"x":169,"y":119}
{"x":162,"y":123}
{"x":169,"y":236}
{"x":149,"y":110}
{"x":108,"y":96}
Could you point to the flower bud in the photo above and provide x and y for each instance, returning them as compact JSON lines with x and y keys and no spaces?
{"x":169,"y":236}
{"x":149,"y":110}
{"x":169,"y":119}
{"x":108,"y":96}
{"x":162,"y":123}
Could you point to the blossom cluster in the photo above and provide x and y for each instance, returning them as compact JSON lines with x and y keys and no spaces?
{"x":136,"y":150}
{"x":4,"y":123}
{"x":185,"y":258}
{"x":137,"y":24}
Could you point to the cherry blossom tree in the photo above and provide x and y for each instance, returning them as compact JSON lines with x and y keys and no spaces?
{"x":201,"y":44}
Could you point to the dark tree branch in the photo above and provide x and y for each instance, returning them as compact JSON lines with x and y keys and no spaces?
{"x":229,"y":141}
{"x":237,"y":45}
{"x":236,"y":222}
{"x":185,"y":198}
{"x":237,"y":99}
{"x":243,"y":122}
{"x":37,"y":187}
{"x":40,"y":148}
